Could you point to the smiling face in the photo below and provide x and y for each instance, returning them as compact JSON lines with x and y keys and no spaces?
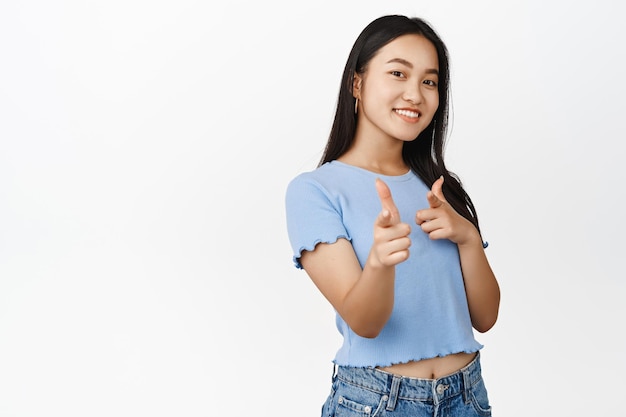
{"x":398,"y":92}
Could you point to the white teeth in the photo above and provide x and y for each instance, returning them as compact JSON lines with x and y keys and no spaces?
{"x":408,"y":113}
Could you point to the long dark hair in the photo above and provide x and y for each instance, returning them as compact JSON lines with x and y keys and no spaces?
{"x":424,"y":155}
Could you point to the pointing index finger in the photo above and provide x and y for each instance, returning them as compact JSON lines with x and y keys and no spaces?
{"x":386,"y":200}
{"x":435,"y":195}
{"x":433,"y":201}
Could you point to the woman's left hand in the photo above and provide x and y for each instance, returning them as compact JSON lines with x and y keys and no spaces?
{"x":441,"y":221}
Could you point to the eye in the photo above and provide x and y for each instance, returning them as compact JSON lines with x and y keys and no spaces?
{"x":430,"y":83}
{"x":398,"y":74}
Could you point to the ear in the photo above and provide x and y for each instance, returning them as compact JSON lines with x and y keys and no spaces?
{"x":356,"y":85}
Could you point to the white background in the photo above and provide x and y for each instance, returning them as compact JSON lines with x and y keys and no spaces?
{"x":145,"y":147}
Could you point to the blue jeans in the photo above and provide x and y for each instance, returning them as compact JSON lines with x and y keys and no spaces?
{"x":370,"y":392}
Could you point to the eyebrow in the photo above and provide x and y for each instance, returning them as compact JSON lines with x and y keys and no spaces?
{"x":408,"y":64}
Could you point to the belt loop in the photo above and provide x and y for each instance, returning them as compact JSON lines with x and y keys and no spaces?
{"x":466,"y":386}
{"x":393,"y":393}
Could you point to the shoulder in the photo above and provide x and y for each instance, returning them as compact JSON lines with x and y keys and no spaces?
{"x":311,"y":187}
{"x":320,"y":175}
{"x":333,"y":186}
{"x":329,"y":179}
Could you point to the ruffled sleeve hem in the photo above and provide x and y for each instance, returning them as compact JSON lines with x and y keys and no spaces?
{"x":296,"y":257}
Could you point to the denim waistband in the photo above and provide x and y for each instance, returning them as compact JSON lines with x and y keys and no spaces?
{"x":407,"y":388}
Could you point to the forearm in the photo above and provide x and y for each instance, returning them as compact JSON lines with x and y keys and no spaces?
{"x":368,"y":305}
{"x":481,"y":286}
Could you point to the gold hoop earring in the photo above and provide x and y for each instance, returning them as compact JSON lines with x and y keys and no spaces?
{"x":356,"y":105}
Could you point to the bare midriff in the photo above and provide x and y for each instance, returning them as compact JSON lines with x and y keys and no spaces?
{"x":432,"y":368}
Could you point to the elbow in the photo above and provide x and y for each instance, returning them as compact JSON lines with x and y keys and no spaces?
{"x":368,"y":326}
{"x":485,"y":324}
{"x":484,"y":328}
{"x":367,"y":331}
{"x":369,"y":335}
{"x":485,"y":318}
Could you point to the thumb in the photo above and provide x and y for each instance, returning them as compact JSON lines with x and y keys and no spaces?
{"x":435,"y":196}
{"x":389,"y":214}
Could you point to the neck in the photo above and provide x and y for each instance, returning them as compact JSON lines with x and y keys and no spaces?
{"x":381,"y":155}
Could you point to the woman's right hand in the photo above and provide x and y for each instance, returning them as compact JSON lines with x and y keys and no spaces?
{"x":391,"y":236}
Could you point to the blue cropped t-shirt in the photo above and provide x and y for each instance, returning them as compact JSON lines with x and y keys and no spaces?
{"x":430,"y":316}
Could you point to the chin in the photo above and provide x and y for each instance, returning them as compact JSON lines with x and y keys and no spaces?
{"x":408,"y":138}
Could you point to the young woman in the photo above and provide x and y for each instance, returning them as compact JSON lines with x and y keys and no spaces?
{"x":391,"y":239}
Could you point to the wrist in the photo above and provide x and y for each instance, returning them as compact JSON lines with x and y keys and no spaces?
{"x":473,"y":238}
{"x":375,"y":265}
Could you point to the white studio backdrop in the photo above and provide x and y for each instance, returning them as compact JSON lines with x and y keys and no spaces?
{"x":145,"y":148}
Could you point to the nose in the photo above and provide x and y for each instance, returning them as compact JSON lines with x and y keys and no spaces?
{"x":413,"y":94}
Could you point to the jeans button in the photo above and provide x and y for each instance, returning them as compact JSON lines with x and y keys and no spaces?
{"x":441,"y":388}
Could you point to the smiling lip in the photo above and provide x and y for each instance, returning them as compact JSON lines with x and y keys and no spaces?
{"x":408,"y":115}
